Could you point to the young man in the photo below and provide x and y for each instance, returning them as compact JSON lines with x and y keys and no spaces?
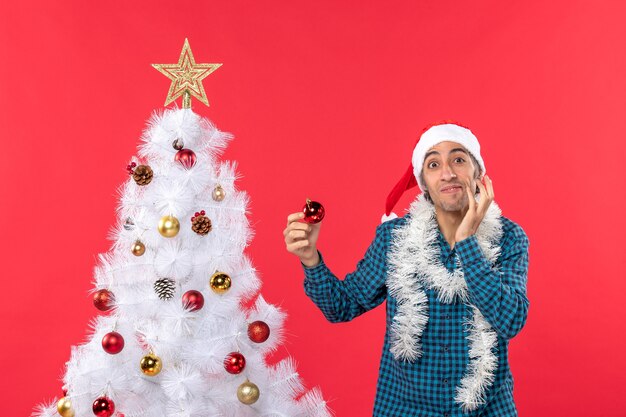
{"x":453,"y":271}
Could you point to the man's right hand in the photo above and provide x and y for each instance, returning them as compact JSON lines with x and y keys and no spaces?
{"x":301,"y":239}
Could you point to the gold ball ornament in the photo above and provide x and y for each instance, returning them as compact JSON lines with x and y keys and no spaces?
{"x":169,"y":226}
{"x":64,"y":407}
{"x":218,"y":193}
{"x":248,"y":393}
{"x":220,"y":282}
{"x":150,"y":364}
{"x":138,"y":248}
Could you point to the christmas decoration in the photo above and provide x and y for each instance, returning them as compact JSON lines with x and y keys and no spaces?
{"x":165,"y":288}
{"x":178,"y":144}
{"x":218,"y":193}
{"x":129,"y":224}
{"x":193,"y":300}
{"x":220,"y":282}
{"x":64,"y":407}
{"x":138,"y":248}
{"x":150,"y":364}
{"x":155,"y":358}
{"x":248,"y":393}
{"x":234,"y":363}
{"x":142,"y":174}
{"x":313,"y":212}
{"x":103,"y":300}
{"x":200,"y":223}
{"x":186,"y":157}
{"x":258,"y":331}
{"x":103,"y":407}
{"x":186,"y":76}
{"x":113,"y":343}
{"x":169,"y":226}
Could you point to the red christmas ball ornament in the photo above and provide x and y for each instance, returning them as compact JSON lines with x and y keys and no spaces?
{"x":113,"y":343}
{"x":234,"y":363}
{"x":103,"y":407}
{"x":258,"y":331}
{"x":313,"y":212}
{"x":193,"y":300}
{"x":103,"y":300}
{"x":186,"y":157}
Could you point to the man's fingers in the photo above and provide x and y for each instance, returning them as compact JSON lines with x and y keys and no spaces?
{"x":294,"y":216}
{"x":297,"y":245}
{"x":489,"y":186}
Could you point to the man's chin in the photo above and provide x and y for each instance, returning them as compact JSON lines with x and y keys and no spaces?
{"x":453,"y":205}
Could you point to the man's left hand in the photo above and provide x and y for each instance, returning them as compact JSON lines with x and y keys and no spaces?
{"x":476,"y":212}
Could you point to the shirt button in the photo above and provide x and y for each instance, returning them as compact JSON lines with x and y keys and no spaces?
{"x":445,"y":381}
{"x":445,"y":348}
{"x":447,"y":317}
{"x":446,"y":414}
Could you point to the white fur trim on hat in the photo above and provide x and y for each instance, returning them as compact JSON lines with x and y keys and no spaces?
{"x":441,"y":133}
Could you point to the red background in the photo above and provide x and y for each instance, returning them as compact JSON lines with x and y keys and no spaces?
{"x":325,"y":100}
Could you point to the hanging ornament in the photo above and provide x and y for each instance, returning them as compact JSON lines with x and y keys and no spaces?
{"x":248,"y":393}
{"x":258,"y":331}
{"x":234,"y":363}
{"x":178,"y":144}
{"x":142,"y":174}
{"x":200,"y":223}
{"x":138,"y":248}
{"x":129,"y":224}
{"x":103,"y":300}
{"x":150,"y":364}
{"x":218,"y":193}
{"x":113,"y":343}
{"x":169,"y":226}
{"x":220,"y":282}
{"x":313,"y":212}
{"x":193,"y":300}
{"x":64,"y":407}
{"x":165,"y":288}
{"x":186,"y":157}
{"x":103,"y":407}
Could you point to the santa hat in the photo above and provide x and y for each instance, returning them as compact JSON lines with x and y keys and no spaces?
{"x":431,"y":136}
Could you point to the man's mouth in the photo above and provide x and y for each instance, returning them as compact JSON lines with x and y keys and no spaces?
{"x":451,"y":189}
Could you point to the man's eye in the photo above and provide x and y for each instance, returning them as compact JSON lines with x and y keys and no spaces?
{"x":459,"y":159}
{"x":432,"y":164}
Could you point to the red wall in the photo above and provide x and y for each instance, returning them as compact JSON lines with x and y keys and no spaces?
{"x":325,"y":99}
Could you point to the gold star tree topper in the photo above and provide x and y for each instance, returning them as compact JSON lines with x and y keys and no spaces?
{"x":186,"y":77}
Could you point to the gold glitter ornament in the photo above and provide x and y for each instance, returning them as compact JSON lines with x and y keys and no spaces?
{"x":150,"y":364}
{"x":186,"y":77}
{"x":138,"y":248}
{"x":220,"y":282}
{"x":218,"y":193}
{"x":169,"y":226}
{"x":248,"y":393}
{"x":64,"y":407}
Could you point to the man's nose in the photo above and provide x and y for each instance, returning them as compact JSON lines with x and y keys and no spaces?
{"x":447,"y":172}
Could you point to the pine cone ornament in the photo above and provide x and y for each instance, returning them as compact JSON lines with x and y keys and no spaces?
{"x":142,"y":174}
{"x":200,"y":223}
{"x":165,"y":288}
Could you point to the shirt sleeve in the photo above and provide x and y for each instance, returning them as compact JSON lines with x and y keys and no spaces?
{"x":360,"y":291}
{"x":500,"y":292}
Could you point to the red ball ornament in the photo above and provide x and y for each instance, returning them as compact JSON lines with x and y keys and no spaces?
{"x":313,"y":212}
{"x":234,"y":363}
{"x":103,"y":300}
{"x":186,"y":157}
{"x":258,"y":331}
{"x":103,"y":407}
{"x":193,"y":300}
{"x":113,"y":343}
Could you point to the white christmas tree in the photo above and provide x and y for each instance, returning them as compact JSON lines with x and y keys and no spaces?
{"x":176,"y":339}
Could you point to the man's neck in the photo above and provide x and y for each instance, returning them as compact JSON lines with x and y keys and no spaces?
{"x":448,"y":222}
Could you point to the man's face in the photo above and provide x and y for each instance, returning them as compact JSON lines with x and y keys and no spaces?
{"x":447,"y":169}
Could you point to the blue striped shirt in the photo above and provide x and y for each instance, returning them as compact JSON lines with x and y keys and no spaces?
{"x":427,"y":386}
